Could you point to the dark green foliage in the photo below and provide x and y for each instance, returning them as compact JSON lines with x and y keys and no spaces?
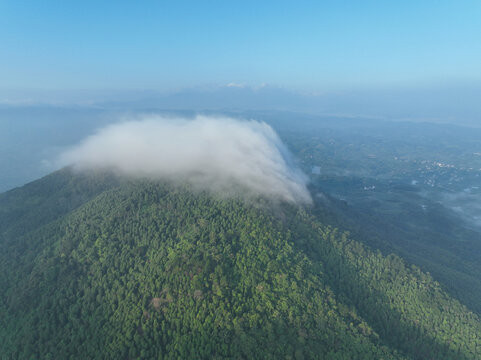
{"x":42,"y":201}
{"x":149,"y":270}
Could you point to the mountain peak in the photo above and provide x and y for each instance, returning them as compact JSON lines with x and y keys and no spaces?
{"x":142,"y":269}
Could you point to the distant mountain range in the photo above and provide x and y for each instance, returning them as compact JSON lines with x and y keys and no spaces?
{"x":451,"y":103}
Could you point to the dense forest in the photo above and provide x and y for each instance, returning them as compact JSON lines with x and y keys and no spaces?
{"x":96,"y":267}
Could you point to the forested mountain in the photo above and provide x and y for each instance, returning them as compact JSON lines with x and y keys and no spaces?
{"x":93,"y":266}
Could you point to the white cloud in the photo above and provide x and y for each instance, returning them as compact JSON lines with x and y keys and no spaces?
{"x":236,"y":85}
{"x":212,"y":153}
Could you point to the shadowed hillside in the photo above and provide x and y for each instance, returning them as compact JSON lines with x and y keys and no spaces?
{"x":142,"y":269}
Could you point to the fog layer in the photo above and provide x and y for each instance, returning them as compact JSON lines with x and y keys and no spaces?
{"x":211,"y":153}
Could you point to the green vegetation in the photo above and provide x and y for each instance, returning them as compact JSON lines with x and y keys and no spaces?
{"x":141,"y":270}
{"x":411,"y":189}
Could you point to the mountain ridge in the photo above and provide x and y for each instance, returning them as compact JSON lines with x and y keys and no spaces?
{"x":142,"y":269}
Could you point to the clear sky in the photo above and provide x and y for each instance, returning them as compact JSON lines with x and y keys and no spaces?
{"x":304,"y":45}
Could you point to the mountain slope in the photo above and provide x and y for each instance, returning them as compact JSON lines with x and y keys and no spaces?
{"x":145,"y":269}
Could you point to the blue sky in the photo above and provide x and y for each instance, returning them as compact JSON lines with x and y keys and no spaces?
{"x":311,"y":46}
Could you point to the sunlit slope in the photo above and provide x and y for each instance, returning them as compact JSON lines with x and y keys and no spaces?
{"x":149,"y":270}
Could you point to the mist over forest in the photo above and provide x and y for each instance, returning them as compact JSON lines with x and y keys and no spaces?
{"x":240,"y":180}
{"x":35,"y":138}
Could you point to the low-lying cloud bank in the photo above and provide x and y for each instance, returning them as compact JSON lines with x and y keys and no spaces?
{"x":212,"y":153}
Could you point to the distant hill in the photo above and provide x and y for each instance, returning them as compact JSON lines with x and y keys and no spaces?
{"x":93,"y":266}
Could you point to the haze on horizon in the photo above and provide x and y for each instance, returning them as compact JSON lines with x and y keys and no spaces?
{"x":98,"y":51}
